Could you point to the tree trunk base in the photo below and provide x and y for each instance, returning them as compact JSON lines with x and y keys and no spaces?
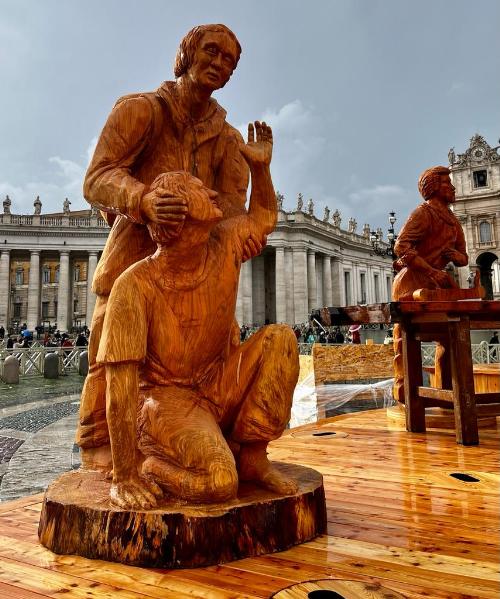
{"x":78,"y":518}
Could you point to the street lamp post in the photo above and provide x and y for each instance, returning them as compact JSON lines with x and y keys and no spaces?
{"x":381,"y":248}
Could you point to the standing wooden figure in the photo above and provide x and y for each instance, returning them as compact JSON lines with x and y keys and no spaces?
{"x":175,"y":405}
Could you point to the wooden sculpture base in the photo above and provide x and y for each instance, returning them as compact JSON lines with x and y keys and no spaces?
{"x":77,"y":518}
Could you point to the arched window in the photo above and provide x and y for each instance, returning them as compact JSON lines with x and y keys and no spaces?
{"x":484,"y":232}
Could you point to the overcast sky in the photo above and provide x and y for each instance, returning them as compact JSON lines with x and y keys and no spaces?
{"x":362,"y":94}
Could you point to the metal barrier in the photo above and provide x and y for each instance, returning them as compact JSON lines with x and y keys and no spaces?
{"x":31,"y":359}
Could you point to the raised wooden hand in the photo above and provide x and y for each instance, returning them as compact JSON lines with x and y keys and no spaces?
{"x":259,"y":148}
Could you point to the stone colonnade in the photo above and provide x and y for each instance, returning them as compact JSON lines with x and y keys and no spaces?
{"x":302,"y":281}
{"x":34,"y":315}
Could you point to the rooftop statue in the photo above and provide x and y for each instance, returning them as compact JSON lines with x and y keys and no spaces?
{"x":38,"y":205}
{"x":300,"y":202}
{"x":7,"y":203}
{"x":310,"y":206}
{"x":326,"y":214}
{"x":336,"y":218}
{"x":66,"y":206}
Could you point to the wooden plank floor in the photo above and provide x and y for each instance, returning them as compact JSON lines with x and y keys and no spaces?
{"x":395,"y":517}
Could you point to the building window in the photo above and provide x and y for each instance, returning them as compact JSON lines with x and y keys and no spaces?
{"x":485,"y":232}
{"x":45,"y":310}
{"x":76,"y":274}
{"x":347,"y":287}
{"x":362,"y":283}
{"x":377,"y":289}
{"x":46,"y":274}
{"x":19,"y":276}
{"x":55,"y":308}
{"x":56,"y":275}
{"x":17,"y":310}
{"x":480,"y":178}
{"x":75,"y":306}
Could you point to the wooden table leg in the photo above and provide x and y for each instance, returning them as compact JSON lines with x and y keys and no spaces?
{"x":412,"y":363}
{"x":463,"y":382}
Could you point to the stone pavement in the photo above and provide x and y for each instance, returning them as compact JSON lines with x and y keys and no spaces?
{"x":37,"y":427}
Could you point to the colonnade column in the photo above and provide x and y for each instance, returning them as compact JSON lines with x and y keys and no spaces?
{"x":280,"y":285}
{"x":300,"y":285}
{"x":63,"y":295}
{"x":312,"y":294}
{"x":91,"y":296}
{"x":4,"y":288}
{"x":246,"y":273}
{"x":337,"y":282}
{"x":290,"y":313}
{"x":239,"y":299}
{"x":327,"y":281}
{"x":33,"y":317}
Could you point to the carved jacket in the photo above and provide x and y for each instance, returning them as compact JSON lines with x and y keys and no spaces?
{"x":144,"y":136}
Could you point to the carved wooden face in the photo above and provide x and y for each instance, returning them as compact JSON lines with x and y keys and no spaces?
{"x":214,"y":61}
{"x":446,"y":189}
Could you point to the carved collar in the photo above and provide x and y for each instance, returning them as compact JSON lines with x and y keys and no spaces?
{"x":206,"y":128}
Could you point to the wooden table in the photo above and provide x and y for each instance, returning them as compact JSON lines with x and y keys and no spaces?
{"x":449,"y":323}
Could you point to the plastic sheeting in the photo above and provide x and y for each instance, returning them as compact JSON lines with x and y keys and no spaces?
{"x":311,"y":403}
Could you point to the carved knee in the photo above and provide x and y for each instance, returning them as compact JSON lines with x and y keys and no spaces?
{"x":222,"y":480}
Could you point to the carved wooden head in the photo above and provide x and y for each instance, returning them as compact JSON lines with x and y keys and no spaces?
{"x":193,"y":40}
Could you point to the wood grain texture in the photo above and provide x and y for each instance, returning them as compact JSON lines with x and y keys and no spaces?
{"x":77,"y":517}
{"x":396,"y":519}
{"x":344,"y":363}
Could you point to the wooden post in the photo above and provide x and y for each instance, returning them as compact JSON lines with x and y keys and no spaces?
{"x":412,"y":363}
{"x":463,"y":382}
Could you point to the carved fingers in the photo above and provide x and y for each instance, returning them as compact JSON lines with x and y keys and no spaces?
{"x":163,"y":207}
{"x":253,"y":247}
{"x":259,"y":147}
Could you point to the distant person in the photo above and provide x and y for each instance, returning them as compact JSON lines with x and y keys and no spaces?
{"x":10,"y":343}
{"x":354,"y":334}
{"x":2,"y":332}
{"x":495,"y":340}
{"x":81,"y":340}
{"x":339,"y":337}
{"x":389,"y":338}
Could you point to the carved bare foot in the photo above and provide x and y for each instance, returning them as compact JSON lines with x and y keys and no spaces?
{"x":135,"y":493}
{"x":253,"y":465}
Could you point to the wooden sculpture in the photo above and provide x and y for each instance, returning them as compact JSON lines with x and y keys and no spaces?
{"x":175,"y":409}
{"x":431,"y":238}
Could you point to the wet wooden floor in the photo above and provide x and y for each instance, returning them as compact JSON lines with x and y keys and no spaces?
{"x":397,"y":521}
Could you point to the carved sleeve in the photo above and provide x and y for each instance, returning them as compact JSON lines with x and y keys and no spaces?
{"x":232,"y":176}
{"x":125,"y":329}
{"x":108,"y":182}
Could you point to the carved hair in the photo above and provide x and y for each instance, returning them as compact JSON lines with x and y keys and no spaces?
{"x":429,"y":180}
{"x":190,"y":42}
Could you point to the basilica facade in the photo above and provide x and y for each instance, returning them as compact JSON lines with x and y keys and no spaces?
{"x":47,"y":262}
{"x":476,"y":176}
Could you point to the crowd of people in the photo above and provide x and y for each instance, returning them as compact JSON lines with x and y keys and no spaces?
{"x":49,"y":337}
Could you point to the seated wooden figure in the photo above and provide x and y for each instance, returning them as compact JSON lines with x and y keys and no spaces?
{"x":190,"y":413}
{"x":431,"y":238}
